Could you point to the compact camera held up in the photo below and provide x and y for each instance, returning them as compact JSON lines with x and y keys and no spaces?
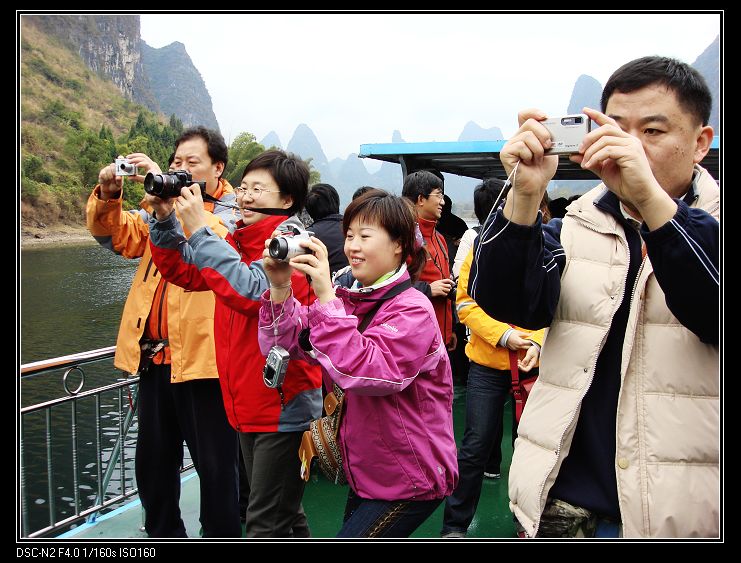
{"x":124,"y":167}
{"x":166,"y":186}
{"x":286,"y":246}
{"x":567,"y":132}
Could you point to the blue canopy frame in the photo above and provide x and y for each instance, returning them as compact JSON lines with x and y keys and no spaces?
{"x":480,"y":159}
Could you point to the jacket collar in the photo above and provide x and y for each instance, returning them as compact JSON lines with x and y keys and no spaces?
{"x":427,"y":227}
{"x":344,"y":281}
{"x":251,"y":238}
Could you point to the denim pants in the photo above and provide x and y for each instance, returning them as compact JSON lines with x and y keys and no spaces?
{"x":486,"y":394}
{"x":368,"y":518}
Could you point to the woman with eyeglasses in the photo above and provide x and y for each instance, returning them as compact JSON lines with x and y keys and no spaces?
{"x":270,"y":421}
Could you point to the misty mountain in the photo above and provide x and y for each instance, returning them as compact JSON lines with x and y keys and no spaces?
{"x":396,"y":137}
{"x":271,"y":140}
{"x":305,"y":144}
{"x":586,"y":93}
{"x":474,"y":132}
{"x":708,"y":64}
{"x":177,"y":85}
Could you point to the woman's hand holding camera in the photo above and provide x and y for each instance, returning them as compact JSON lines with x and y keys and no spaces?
{"x":190,"y":209}
{"x":278,"y":273}
{"x":316,"y":266}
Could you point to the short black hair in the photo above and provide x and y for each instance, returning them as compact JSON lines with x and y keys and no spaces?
{"x":484,"y":197}
{"x":289,"y":172}
{"x":421,"y":183}
{"x":217,"y":149}
{"x":687,"y":83}
{"x":323,"y":200}
{"x":361,"y":190}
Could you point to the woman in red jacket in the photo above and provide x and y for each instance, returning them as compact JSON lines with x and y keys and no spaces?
{"x":270,"y":421}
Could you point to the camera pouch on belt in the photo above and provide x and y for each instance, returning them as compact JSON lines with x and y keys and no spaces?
{"x":149,"y":349}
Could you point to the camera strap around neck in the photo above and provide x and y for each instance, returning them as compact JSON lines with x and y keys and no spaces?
{"x":263,"y":210}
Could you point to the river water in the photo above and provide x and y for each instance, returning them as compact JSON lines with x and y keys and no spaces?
{"x":71,"y":298}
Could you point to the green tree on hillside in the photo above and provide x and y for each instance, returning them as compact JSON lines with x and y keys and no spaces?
{"x":241,"y":152}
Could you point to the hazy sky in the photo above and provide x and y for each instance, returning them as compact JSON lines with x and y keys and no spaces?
{"x":355,"y":78}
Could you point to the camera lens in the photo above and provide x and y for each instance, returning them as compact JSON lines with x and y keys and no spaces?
{"x":162,"y":185}
{"x":278,"y":248}
{"x":577,"y":120}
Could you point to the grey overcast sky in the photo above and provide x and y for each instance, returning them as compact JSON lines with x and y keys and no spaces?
{"x":355,"y":78}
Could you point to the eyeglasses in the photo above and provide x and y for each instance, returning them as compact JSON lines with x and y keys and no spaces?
{"x":439,"y":195}
{"x":254,"y":192}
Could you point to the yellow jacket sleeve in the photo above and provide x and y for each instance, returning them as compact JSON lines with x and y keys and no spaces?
{"x":473,"y":316}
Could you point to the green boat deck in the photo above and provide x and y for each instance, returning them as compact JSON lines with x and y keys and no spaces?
{"x":324,"y":502}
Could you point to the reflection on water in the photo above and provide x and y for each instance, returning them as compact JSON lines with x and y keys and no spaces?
{"x":71,"y":301}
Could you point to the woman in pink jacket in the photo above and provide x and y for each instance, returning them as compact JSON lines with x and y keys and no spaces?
{"x":396,"y":436}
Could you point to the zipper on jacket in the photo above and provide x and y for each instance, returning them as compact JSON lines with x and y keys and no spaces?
{"x":228,"y":367}
{"x":161,"y":306}
{"x":620,"y":394}
{"x":592,"y":227}
{"x":149,"y":266}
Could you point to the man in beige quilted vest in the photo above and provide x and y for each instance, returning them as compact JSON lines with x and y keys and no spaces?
{"x":620,"y":436}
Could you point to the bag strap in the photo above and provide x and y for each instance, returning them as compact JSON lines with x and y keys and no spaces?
{"x":514,"y":371}
{"x":393,"y":292}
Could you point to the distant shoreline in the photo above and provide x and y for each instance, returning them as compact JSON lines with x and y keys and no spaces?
{"x":61,"y":235}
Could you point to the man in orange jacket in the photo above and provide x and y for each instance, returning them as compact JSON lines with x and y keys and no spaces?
{"x":179,"y":393}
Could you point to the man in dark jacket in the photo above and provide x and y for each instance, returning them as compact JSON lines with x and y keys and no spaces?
{"x":323,"y":205}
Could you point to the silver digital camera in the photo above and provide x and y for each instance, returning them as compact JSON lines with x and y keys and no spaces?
{"x":275,"y":368}
{"x":286,"y":246}
{"x":124,"y":167}
{"x":567,"y":132}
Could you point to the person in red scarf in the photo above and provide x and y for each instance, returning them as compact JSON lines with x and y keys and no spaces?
{"x":424,"y":189}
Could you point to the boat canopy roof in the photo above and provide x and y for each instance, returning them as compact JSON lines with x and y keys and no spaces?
{"x":480,"y":159}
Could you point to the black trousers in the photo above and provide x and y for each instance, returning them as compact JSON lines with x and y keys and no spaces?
{"x":276,"y":489}
{"x":192,"y":411}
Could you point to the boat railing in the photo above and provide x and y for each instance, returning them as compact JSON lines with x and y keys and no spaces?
{"x":81,"y":418}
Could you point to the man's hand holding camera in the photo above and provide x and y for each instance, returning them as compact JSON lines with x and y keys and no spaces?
{"x":534,"y":170}
{"x":144,"y":164}
{"x":619,"y":159}
{"x":110,"y":184}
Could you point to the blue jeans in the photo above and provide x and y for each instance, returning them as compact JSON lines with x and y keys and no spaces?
{"x":368,"y":518}
{"x":486,"y":394}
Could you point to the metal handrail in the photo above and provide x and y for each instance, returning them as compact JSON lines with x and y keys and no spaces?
{"x":117,"y":459}
{"x":73,"y":362}
{"x":34,"y":368}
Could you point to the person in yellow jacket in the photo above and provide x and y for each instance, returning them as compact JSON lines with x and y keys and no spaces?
{"x":489,"y":383}
{"x":166,"y":333}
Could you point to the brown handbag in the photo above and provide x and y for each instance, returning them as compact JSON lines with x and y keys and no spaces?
{"x":320,"y":440}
